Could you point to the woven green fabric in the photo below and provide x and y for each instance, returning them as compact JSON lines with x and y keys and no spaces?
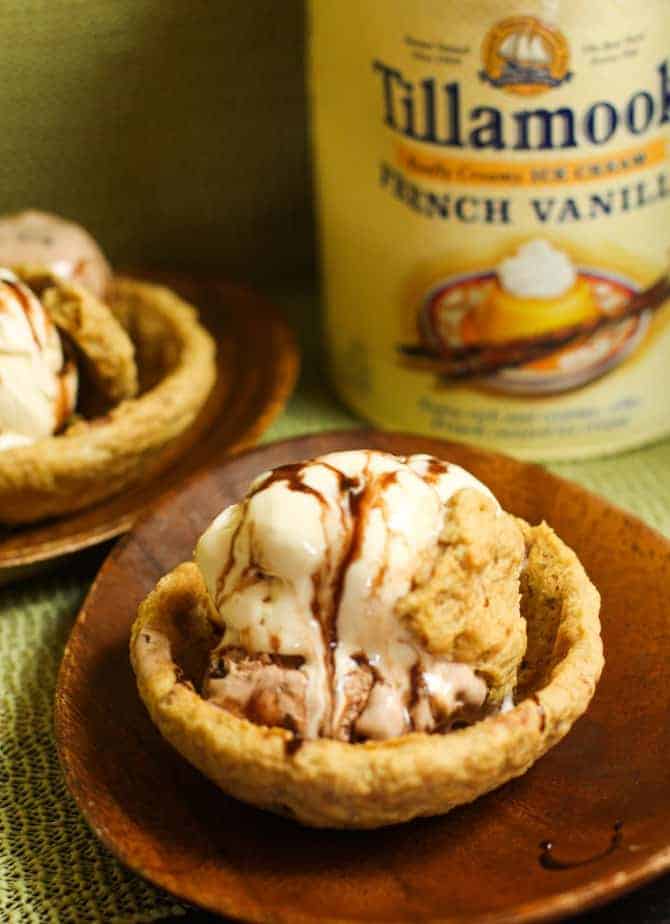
{"x":52,"y":869}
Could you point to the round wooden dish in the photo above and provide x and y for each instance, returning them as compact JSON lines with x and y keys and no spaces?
{"x":257,"y":367}
{"x":601,"y":797}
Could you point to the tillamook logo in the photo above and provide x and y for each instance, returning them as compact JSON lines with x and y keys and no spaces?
{"x":522,"y":55}
{"x":436,"y":113}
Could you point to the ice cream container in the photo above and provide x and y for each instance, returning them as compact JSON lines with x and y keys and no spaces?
{"x":493,"y":188}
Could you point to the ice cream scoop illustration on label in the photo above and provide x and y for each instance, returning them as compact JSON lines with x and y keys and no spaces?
{"x":535,"y":323}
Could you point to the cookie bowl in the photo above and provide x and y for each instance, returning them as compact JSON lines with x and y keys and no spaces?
{"x":329,"y":783}
{"x":148,"y":367}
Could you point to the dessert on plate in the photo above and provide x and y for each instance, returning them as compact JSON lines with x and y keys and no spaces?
{"x":366,"y":638}
{"x":102,"y":379}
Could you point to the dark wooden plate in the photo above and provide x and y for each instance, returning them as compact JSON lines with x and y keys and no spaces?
{"x":257,"y":367}
{"x":602,"y":797}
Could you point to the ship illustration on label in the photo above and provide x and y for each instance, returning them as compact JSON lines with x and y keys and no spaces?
{"x":535,"y":324}
{"x":524,"y":56}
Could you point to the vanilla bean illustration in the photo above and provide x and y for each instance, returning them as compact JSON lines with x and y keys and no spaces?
{"x":483,"y":359}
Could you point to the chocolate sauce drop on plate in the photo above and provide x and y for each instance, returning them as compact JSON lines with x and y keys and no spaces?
{"x":549,"y":861}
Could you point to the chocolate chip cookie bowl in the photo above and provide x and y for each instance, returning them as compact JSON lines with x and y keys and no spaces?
{"x":99,"y":391}
{"x":365,"y":639}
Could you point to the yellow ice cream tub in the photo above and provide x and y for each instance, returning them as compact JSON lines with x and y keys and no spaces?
{"x":447,"y":138}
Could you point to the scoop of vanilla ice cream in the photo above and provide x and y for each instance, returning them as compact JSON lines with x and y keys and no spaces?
{"x":38,"y":386}
{"x":537,"y":270}
{"x":306,"y":575}
{"x":42,"y":239}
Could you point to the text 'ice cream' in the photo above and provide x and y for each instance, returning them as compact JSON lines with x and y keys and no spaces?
{"x":363,"y":596}
{"x":38,"y":384}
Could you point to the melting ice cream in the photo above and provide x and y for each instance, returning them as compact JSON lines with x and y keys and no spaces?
{"x":318,"y":579}
{"x":38,"y":384}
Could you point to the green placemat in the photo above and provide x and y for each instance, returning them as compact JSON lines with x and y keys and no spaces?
{"x":52,"y":869}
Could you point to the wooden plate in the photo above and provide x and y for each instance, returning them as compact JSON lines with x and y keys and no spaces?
{"x":257,"y":366}
{"x":602,"y":797}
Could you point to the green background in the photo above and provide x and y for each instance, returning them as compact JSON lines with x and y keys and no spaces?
{"x":173,"y":129}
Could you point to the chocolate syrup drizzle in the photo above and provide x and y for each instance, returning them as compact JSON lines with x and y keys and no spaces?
{"x":355,"y":501}
{"x":548,"y":861}
{"x":293,"y":745}
{"x":416,"y":685}
{"x":358,"y":496}
{"x":541,"y":711}
{"x":355,"y":496}
{"x":292,"y":475}
{"x":436,"y":468}
{"x":232,"y":557}
{"x":22,"y":297}
{"x":62,"y":411}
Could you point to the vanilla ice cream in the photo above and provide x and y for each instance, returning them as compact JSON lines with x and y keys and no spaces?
{"x":38,"y":385}
{"x":537,"y":270}
{"x":33,"y":238}
{"x":307,"y":575}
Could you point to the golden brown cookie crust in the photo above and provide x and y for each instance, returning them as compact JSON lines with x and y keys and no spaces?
{"x":465,"y":608}
{"x":327,"y":783}
{"x":138,"y":438}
